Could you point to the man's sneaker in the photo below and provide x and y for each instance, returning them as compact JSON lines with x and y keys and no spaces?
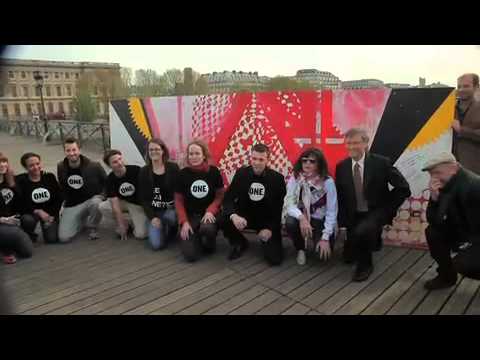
{"x":93,"y":235}
{"x":301,"y":258}
{"x":440,"y":283}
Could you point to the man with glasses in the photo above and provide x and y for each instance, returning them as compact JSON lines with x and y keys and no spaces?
{"x":365,"y":202}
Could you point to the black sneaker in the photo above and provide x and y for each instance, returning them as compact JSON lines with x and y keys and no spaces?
{"x":440,"y":282}
{"x":362,"y":272}
{"x":237,"y":251}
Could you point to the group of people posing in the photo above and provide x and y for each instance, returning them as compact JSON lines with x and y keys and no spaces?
{"x":160,"y":202}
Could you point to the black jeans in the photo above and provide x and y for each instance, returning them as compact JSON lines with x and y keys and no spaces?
{"x":363,"y":237}
{"x":272,"y":249}
{"x":442,"y":240}
{"x":204,"y":238}
{"x":13,"y":240}
{"x":50,"y":231}
{"x":292,"y":226}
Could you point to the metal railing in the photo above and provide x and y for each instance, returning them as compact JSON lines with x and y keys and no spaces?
{"x":96,"y":134}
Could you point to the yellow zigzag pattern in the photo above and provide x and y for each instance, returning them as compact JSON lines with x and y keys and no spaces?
{"x":139,"y":118}
{"x":437,"y":125}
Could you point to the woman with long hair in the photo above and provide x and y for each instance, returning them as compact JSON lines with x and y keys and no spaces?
{"x":42,"y":199}
{"x":311,"y":206}
{"x":13,"y":240}
{"x":157,"y":184}
{"x":198,"y":196}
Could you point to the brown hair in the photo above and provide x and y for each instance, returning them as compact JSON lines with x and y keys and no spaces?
{"x":161,"y":143}
{"x":26,"y":156}
{"x":202,"y":145}
{"x":322,"y":165}
{"x":358,"y":131}
{"x":9,"y":176}
{"x":475,"y":79}
{"x":108,"y":154}
{"x":71,"y":140}
{"x":261,"y":148}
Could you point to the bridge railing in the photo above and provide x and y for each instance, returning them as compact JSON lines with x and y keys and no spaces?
{"x":95,"y":134}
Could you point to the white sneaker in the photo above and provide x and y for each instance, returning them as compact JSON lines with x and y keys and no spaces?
{"x":301,"y":258}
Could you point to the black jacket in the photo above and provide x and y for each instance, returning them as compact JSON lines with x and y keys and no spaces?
{"x":458,"y":205}
{"x":93,"y":173}
{"x":237,"y":200}
{"x":145,"y":183}
{"x":378,"y":174}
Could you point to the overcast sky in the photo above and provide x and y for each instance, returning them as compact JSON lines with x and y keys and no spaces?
{"x":389,"y":63}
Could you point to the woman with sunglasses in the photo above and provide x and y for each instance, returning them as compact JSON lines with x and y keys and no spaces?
{"x":13,"y":240}
{"x":311,"y":206}
{"x":157,"y":181}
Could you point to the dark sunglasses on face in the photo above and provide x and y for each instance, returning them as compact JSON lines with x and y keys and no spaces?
{"x":307,"y":160}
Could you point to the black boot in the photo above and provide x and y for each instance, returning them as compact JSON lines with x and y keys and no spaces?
{"x":441,"y":282}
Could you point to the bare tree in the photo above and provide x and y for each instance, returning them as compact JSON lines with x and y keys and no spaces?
{"x":172,"y":77}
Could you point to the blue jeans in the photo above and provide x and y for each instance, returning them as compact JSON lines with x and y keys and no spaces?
{"x":158,"y":237}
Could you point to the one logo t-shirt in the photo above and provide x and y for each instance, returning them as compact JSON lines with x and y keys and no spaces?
{"x":7,"y":195}
{"x":40,"y":195}
{"x":199,"y":189}
{"x":256,"y":191}
{"x":75,"y":182}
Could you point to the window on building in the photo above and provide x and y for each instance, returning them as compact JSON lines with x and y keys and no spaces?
{"x":45,"y":76}
{"x":59,"y":91}
{"x":11,"y":75}
{"x":70,"y":107}
{"x":23,"y":75}
{"x":60,"y":107}
{"x":57,"y":75}
{"x":50,"y":108}
{"x":69,"y":90}
{"x":67,"y":75}
{"x":26,"y":93}
{"x":2,"y":91}
{"x":17,"y":109}
{"x":76,"y":76}
{"x":14,"y":91}
{"x":48,"y":91}
{"x":5,"y":110}
{"x":37,"y":91}
{"x":29,"y":108}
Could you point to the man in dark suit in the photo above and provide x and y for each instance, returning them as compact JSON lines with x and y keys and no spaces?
{"x":365,"y":202}
{"x":452,"y":214}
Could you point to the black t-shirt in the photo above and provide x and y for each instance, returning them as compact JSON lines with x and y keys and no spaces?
{"x":44,"y":194}
{"x":162,"y":196}
{"x":198,"y":188}
{"x":9,"y":200}
{"x":125,"y":187}
{"x":75,"y":189}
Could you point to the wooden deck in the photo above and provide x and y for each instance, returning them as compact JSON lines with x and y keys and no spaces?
{"x":110,"y":276}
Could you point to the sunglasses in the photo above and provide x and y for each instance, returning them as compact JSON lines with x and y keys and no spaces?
{"x":307,"y":160}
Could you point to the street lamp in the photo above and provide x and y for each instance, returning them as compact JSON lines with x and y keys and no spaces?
{"x":39,"y":81}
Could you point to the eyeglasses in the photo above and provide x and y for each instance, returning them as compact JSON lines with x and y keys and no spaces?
{"x":154,"y":150}
{"x":307,"y":160}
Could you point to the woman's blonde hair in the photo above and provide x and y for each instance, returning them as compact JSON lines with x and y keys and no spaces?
{"x":9,"y":176}
{"x":202,"y":145}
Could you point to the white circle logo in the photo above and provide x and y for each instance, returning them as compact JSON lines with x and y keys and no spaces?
{"x":40,"y":195}
{"x":75,"y":181}
{"x":126,"y":189}
{"x":7,"y":195}
{"x":256,"y":191}
{"x":199,"y":189}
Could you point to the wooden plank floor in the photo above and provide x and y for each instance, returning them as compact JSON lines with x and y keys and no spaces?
{"x":109,"y":276}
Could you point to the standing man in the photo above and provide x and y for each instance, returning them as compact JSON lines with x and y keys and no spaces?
{"x":82,"y":182}
{"x":466,"y":126}
{"x":122,"y":192}
{"x":453,"y":217}
{"x":365,"y":202}
{"x":254,"y":201}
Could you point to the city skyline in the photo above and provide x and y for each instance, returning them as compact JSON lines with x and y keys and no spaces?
{"x":389,"y":63}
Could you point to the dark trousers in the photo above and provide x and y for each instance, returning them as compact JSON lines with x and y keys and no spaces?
{"x":292,"y":226}
{"x":204,"y":238}
{"x":272,"y":249}
{"x":50,"y":231}
{"x":445,"y":239}
{"x":363,"y":237}
{"x":13,"y":240}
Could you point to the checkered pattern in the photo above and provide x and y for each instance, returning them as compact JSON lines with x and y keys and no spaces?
{"x":254,"y":127}
{"x":290,"y":103}
{"x":209,"y":113}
